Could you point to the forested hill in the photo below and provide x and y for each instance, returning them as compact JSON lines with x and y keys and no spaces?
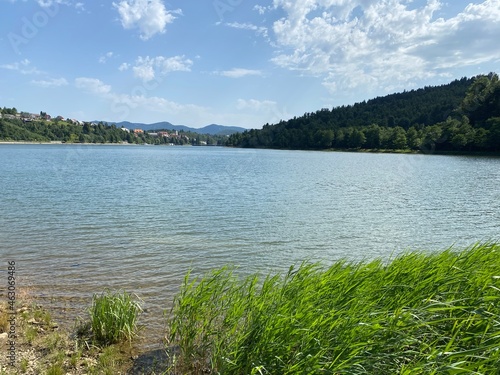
{"x":28,"y":127}
{"x":463,"y":115}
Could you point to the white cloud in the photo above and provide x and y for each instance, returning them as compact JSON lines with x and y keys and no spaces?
{"x":23,"y":67}
{"x":382,"y":43}
{"x":153,"y":103}
{"x":16,"y":65}
{"x":149,"y":16}
{"x":123,"y":67}
{"x":144,"y":71}
{"x":260,"y":30}
{"x":239,"y":72}
{"x":137,"y":105}
{"x":53,"y":82}
{"x":105,"y":57}
{"x":262,"y":109}
{"x":174,"y":64}
{"x":257,"y":105}
{"x":92,"y":85}
{"x":49,"y":3}
{"x":147,"y":67}
{"x":124,"y":105}
{"x":261,"y":9}
{"x":79,"y":6}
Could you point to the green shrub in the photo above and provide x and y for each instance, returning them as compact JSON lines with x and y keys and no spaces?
{"x":113,"y":317}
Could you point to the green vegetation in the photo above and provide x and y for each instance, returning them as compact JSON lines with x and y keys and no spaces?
{"x":462,"y":116}
{"x":110,"y":359}
{"x":113,"y":317}
{"x":420,"y":313}
{"x":24,"y":365}
{"x":42,"y":347}
{"x":23,"y":126}
{"x":30,"y":334}
{"x":17,"y":129}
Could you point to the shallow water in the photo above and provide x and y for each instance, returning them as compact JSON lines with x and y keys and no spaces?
{"x":78,"y":219}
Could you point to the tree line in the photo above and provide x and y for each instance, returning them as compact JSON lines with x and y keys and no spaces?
{"x":68,"y":131}
{"x":463,"y":115}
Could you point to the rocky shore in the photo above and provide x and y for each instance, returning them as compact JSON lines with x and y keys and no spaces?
{"x":38,"y":345}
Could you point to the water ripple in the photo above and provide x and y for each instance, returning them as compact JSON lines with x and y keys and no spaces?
{"x":80,"y":219}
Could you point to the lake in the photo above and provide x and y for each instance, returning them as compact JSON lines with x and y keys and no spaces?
{"x":78,"y":219}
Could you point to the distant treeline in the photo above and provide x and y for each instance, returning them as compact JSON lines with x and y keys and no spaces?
{"x":13,"y":128}
{"x":463,"y":115}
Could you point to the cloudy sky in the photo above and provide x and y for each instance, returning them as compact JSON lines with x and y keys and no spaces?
{"x":233,"y":62}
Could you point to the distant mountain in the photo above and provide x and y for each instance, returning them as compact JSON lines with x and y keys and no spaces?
{"x":215,"y":129}
{"x":212,"y":129}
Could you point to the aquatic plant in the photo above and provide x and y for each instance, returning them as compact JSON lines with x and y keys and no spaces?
{"x":113,"y":317}
{"x":429,"y":313}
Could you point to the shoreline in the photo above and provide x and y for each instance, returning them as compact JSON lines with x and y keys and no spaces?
{"x":64,"y":143}
{"x":88,"y":144}
{"x":366,"y":150}
{"x":450,"y":277}
{"x":43,"y":345}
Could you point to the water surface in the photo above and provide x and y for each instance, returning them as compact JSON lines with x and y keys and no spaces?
{"x":78,"y":218}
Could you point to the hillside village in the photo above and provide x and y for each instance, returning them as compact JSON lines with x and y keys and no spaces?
{"x":42,"y":127}
{"x":25,"y":116}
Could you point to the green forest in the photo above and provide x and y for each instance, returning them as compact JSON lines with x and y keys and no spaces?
{"x":19,"y":126}
{"x":462,"y":116}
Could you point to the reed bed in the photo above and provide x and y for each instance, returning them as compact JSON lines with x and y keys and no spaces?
{"x":421,"y":313}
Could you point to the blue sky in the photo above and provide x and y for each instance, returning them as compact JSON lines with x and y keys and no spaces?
{"x":233,"y":62}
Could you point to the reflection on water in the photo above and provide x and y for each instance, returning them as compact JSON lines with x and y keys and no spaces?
{"x":79,"y":219}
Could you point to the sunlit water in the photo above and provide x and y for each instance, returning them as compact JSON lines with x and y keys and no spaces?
{"x":78,"y":219}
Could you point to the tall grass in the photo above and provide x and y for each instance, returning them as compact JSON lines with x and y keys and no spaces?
{"x":113,"y":317}
{"x":421,"y":313}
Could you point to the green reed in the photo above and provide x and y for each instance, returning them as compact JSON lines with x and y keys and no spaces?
{"x":113,"y":317}
{"x":421,"y":313}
